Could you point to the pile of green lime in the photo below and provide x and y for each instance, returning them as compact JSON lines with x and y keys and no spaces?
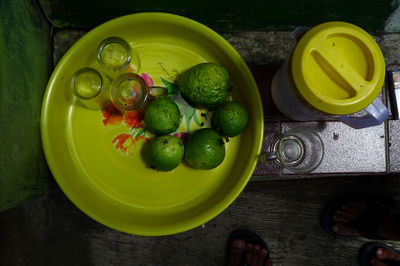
{"x":162,"y":116}
{"x":165,"y":152}
{"x":205,"y":85}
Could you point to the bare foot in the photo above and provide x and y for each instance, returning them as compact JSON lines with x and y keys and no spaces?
{"x":345,"y":214}
{"x":384,"y":254}
{"x":350,"y":211}
{"x":255,"y":255}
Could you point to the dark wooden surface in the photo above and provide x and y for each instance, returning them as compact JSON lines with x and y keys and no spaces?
{"x":52,"y":231}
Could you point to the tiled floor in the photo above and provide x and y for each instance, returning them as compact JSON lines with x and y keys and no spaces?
{"x":394,"y":146}
{"x":268,"y":168}
{"x":347,"y":151}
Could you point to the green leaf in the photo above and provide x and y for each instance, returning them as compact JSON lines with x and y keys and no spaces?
{"x":172,"y":88}
{"x":138,"y":132}
{"x":196,"y":120}
{"x":181,"y":110}
{"x":189,"y":115}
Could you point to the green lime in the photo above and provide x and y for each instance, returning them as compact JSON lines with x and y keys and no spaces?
{"x":230,"y":118}
{"x":205,"y":85}
{"x":162,"y":116}
{"x":165,"y":152}
{"x":205,"y":149}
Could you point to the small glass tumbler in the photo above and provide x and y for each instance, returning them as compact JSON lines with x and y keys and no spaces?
{"x":115,"y":55}
{"x":130,"y":92}
{"x":300,"y":150}
{"x":88,"y":86}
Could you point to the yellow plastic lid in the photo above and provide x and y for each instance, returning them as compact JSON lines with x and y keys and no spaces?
{"x":338,"y":68}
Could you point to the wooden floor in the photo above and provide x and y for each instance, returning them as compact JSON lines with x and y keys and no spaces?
{"x":52,"y":231}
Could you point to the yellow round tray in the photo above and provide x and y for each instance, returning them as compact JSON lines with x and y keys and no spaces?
{"x":97,"y":161}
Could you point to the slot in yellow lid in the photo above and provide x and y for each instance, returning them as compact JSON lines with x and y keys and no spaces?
{"x":338,"y":68}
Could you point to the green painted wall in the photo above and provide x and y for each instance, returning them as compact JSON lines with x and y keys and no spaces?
{"x":227,"y":15}
{"x":24,"y":70}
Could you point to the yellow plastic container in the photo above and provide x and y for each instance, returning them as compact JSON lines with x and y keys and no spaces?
{"x":335,"y":70}
{"x":338,"y":68}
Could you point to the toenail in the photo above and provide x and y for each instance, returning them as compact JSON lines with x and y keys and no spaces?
{"x":379,"y":252}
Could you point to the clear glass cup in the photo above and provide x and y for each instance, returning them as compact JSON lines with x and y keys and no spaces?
{"x":88,"y":86}
{"x":130,"y":92}
{"x":300,"y":150}
{"x":115,"y":55}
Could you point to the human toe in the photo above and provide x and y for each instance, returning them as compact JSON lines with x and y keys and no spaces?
{"x":385,"y":254}
{"x":237,"y":249}
{"x":342,"y":229}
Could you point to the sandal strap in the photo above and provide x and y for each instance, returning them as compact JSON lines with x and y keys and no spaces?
{"x":368,"y":251}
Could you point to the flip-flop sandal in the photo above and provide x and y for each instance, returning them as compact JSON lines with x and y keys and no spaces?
{"x":368,"y":252}
{"x":368,"y":222}
{"x":247,"y":237}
